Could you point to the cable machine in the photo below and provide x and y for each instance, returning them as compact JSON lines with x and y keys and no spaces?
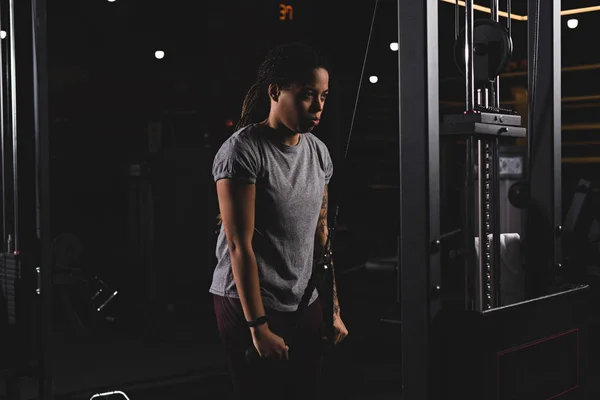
{"x":470,"y":329}
{"x":25,"y":245}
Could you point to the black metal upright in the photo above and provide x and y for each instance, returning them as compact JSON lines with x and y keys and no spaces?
{"x":419,"y":188}
{"x":544,"y":211}
{"x":42,"y":177}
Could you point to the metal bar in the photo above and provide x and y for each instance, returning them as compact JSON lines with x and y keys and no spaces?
{"x":469,"y":223}
{"x":481,"y":231}
{"x":543,"y":244}
{"x":13,"y":109}
{"x":456,"y":20}
{"x":508,"y":19}
{"x":433,"y":138}
{"x":42,"y":178}
{"x":398,"y":275}
{"x":557,"y":131}
{"x":419,"y":188}
{"x":469,"y":55}
{"x":496,"y":266}
{"x":2,"y":140}
{"x":495,"y":7}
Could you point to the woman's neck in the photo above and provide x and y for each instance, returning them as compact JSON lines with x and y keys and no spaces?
{"x":280,"y":132}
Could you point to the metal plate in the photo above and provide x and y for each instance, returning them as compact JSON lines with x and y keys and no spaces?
{"x":479,"y":129}
{"x":484,"y":117}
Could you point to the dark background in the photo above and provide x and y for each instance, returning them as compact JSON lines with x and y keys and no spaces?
{"x":152,"y":235}
{"x":106,"y":88}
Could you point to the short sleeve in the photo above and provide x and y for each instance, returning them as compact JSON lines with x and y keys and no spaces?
{"x":236,"y":159}
{"x":328,"y":167}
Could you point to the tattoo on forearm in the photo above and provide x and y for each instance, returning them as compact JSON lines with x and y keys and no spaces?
{"x":336,"y":304}
{"x":322,"y":224}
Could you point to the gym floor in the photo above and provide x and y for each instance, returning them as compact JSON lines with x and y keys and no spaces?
{"x":186,"y":360}
{"x":179,"y":366}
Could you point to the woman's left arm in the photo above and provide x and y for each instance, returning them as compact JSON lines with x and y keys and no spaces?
{"x":320,"y":241}
{"x":339,"y":329}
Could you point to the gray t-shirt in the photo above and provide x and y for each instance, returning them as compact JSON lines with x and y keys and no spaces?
{"x":290,"y":181}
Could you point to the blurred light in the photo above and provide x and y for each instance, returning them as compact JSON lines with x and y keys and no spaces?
{"x":111,"y":1}
{"x":229,"y":123}
{"x":524,"y":17}
{"x":2,"y":34}
{"x":159,"y":54}
{"x":373,"y":79}
{"x":489,"y":11}
{"x":580,"y":10}
{"x":394,"y":46}
{"x":572,"y":23}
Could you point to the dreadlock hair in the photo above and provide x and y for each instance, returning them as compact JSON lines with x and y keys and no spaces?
{"x":284,"y":65}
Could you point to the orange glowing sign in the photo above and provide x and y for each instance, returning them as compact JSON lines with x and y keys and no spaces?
{"x":286,"y":12}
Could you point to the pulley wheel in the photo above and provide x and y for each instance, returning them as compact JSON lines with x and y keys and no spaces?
{"x":492,"y":48}
{"x":518,"y":194}
{"x":67,"y":249}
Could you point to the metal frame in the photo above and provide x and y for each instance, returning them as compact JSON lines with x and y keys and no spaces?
{"x":35,"y":315}
{"x":419,"y":174}
{"x":419,"y":187}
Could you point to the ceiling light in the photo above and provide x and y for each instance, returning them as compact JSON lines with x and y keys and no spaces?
{"x":572,"y":23}
{"x":159,"y":54}
{"x":373,"y":79}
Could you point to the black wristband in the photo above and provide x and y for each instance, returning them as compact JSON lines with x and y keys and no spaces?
{"x":258,"y":321}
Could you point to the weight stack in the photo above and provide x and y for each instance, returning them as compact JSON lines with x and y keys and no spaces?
{"x":17,"y":305}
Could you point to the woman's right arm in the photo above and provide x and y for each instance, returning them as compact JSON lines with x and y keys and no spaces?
{"x":236,"y":203}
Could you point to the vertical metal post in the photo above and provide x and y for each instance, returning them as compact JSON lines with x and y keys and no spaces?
{"x":482,"y":262}
{"x":471,"y":270}
{"x":419,"y":189}
{"x":496,"y":270}
{"x":4,"y":234}
{"x":542,"y":232}
{"x":42,"y":177}
{"x":2,"y":141}
{"x":13,"y":114}
{"x":495,"y":100}
{"x":469,"y":55}
{"x":509,"y":17}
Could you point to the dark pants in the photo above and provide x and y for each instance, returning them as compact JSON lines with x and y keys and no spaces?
{"x":296,"y":378}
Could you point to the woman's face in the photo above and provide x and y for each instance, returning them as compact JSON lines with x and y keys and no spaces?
{"x":299,"y":106}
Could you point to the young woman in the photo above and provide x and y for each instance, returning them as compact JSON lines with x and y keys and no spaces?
{"x":272,"y":176}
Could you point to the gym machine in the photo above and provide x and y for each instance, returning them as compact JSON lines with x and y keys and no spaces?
{"x":486,"y":314}
{"x":26,"y":245}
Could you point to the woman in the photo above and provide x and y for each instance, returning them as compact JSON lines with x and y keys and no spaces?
{"x":272,"y":179}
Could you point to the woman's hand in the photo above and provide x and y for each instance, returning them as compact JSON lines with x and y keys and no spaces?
{"x":339,"y":330}
{"x":268,"y":344}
